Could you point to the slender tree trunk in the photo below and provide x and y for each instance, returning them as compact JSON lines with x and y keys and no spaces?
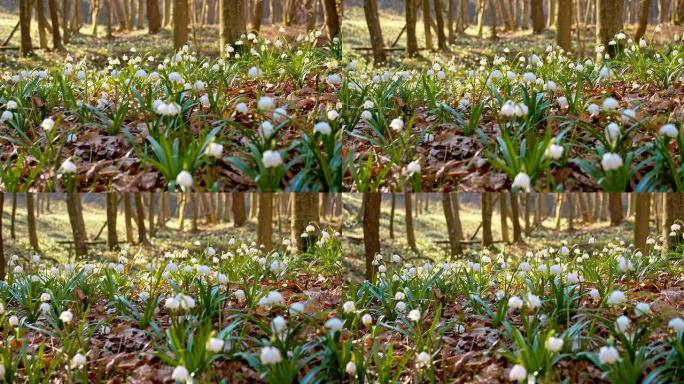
{"x":232,"y":21}
{"x":439,"y":18}
{"x":153,"y":20}
{"x":608,"y":23}
{"x":391,"y":223}
{"x":3,"y":261}
{"x":453,"y":230}
{"x":673,"y":212}
{"x":265,"y":221}
{"x":563,"y":34}
{"x":503,"y":212}
{"x":642,"y":220}
{"x":151,"y":207}
{"x":31,"y":221}
{"x":571,"y":210}
{"x":515,"y":216}
{"x":112,"y":210}
{"x":13,"y":219}
{"x":25,"y":47}
{"x":180,"y":23}
{"x":257,"y":14}
{"x":411,"y":12}
{"x":140,"y":214}
{"x":427,"y":25}
{"x":615,"y":203}
{"x":371,"y":230}
{"x":332,"y":19}
{"x":77,"y":225}
{"x":239,"y":212}
{"x":487,"y":206}
{"x":408,"y":218}
{"x":42,"y":24}
{"x":370,"y":9}
{"x":537,"y":11}
{"x":642,"y":20}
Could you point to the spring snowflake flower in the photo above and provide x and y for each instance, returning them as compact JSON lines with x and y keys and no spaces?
{"x":642,"y":309}
{"x":594,"y":294}
{"x":68,"y":167}
{"x":78,"y":361}
{"x":512,"y":109}
{"x":242,"y":108}
{"x":334,"y":324}
{"x":514,"y":302}
{"x":366,"y":115}
{"x":6,"y":115}
{"x":518,"y":373}
{"x":271,"y":159}
{"x":424,"y":359}
{"x":593,"y":109}
{"x":66,"y":316}
{"x":266,"y":129}
{"x":214,"y":150}
{"x":669,"y":130}
{"x":533,"y":301}
{"x":397,"y":124}
{"x":12,"y":105}
{"x":521,"y":181}
{"x":254,"y":72}
{"x":608,"y":355}
{"x":622,"y":323}
{"x":350,"y":368}
{"x":400,"y":307}
{"x":554,"y":151}
{"x":172,"y":303}
{"x":239,"y":294}
{"x":413,"y":167}
{"x":266,"y":103}
{"x":323,"y":127}
{"x":13,"y":321}
{"x":349,"y":307}
{"x":563,"y":102}
{"x":616,"y":298}
{"x":611,"y":161}
{"x":610,"y":104}
{"x":414,"y":315}
{"x":181,"y":374}
{"x":47,"y":124}
{"x":554,"y":344}
{"x":334,"y":79}
{"x":367,"y":319}
{"x":573,"y":278}
{"x":676,"y":324}
{"x":270,"y":355}
{"x":176,"y":77}
{"x":184,"y":179}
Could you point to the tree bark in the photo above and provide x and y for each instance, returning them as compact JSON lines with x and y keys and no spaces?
{"x":503,"y":213}
{"x":452,"y":228}
{"x":515,"y":216}
{"x":180,"y":23}
{"x":25,"y":47}
{"x":427,"y":25}
{"x":128,"y":217}
{"x":641,"y":220}
{"x":439,"y":18}
{"x":239,"y":213}
{"x":153,"y":19}
{"x":608,"y":23}
{"x":673,"y":212}
{"x":42,"y":24}
{"x":642,"y":20}
{"x":77,"y":225}
{"x":537,"y":15}
{"x":411,"y":13}
{"x":615,"y":204}
{"x":112,"y":210}
{"x":371,"y":230}
{"x":257,"y":14}
{"x":391,"y":223}
{"x":563,"y":34}
{"x":408,"y":219}
{"x":31,"y":221}
{"x":140,"y":213}
{"x":370,"y":9}
{"x":3,"y":261}
{"x":304,"y":212}
{"x":265,"y":221}
{"x":332,"y":19}
{"x":487,"y":203}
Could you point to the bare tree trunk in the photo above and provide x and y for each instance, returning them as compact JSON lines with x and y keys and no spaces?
{"x":77,"y":225}
{"x":411,"y":12}
{"x":304,"y":212}
{"x":153,"y":20}
{"x":180,"y":23}
{"x":608,"y":23}
{"x":408,"y":219}
{"x":257,"y":14}
{"x":515,"y":216}
{"x":112,"y":208}
{"x":25,"y":47}
{"x":239,"y":214}
{"x":673,"y":212}
{"x":128,"y":217}
{"x":427,"y":25}
{"x":232,"y":21}
{"x":42,"y":24}
{"x":642,"y":22}
{"x":615,"y":204}
{"x":453,"y":230}
{"x":332,"y":19}
{"x":503,"y":212}
{"x":439,"y":18}
{"x":537,"y":9}
{"x":3,"y":261}
{"x":265,"y":221}
{"x":563,"y":34}
{"x":31,"y":221}
{"x":487,"y":206}
{"x":642,"y":220}
{"x":371,"y":230}
{"x":370,"y":9}
{"x":140,"y":213}
{"x":391,"y":223}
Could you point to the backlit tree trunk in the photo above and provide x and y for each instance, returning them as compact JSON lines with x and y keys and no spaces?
{"x":31,"y":221}
{"x":408,"y":219}
{"x":232,"y":21}
{"x":332,"y":18}
{"x":371,"y":230}
{"x":674,"y":213}
{"x":140,"y":214}
{"x":487,"y":206}
{"x":257,"y":14}
{"x":452,"y":228}
{"x":265,"y":221}
{"x":180,"y":23}
{"x":563,"y":37}
{"x":153,"y":20}
{"x":642,"y":20}
{"x":503,"y":213}
{"x":239,"y":212}
{"x":537,"y":15}
{"x":427,"y":25}
{"x":112,"y":210}
{"x":128,"y":217}
{"x":439,"y":18}
{"x":615,"y":207}
{"x":411,"y":12}
{"x":304,"y":212}
{"x":25,"y":47}
{"x":608,"y":23}
{"x":641,"y":220}
{"x":77,"y":225}
{"x":42,"y":23}
{"x":515,"y":217}
{"x":370,"y":10}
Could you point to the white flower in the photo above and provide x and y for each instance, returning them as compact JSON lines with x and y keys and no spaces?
{"x":184,"y":179}
{"x":349,"y":307}
{"x":214,"y":150}
{"x":66,"y":316}
{"x":594,"y":294}
{"x":45,"y":297}
{"x":400,"y":307}
{"x":608,"y":355}
{"x":203,"y":270}
{"x":11,"y":105}
{"x":413,"y":167}
{"x":242,"y":108}
{"x":424,"y":359}
{"x":350,"y":368}
{"x":397,"y":124}
{"x":47,"y":124}
{"x":593,"y":109}
{"x":254,"y":72}
{"x":611,"y":161}
{"x":68,"y":166}
{"x":333,"y":115}
{"x":13,"y":321}
{"x":563,"y":101}
{"x":573,"y":278}
{"x":172,"y":303}
{"x":266,"y":103}
{"x":271,"y":159}
{"x":642,"y":309}
{"x":414,"y":315}
{"x":367,"y":319}
{"x":676,"y":324}
{"x":554,"y":151}
{"x":239,"y":294}
{"x":669,"y":130}
{"x":323,"y":127}
{"x":554,"y":344}
{"x":514,"y":302}
{"x":78,"y":361}
{"x":180,"y":373}
{"x":334,"y":324}
{"x":556,"y":269}
{"x":521,"y":181}
{"x":616,"y":298}
{"x":533,"y":301}
{"x":6,"y":115}
{"x":610,"y":104}
{"x":518,"y":373}
{"x":622,"y":323}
